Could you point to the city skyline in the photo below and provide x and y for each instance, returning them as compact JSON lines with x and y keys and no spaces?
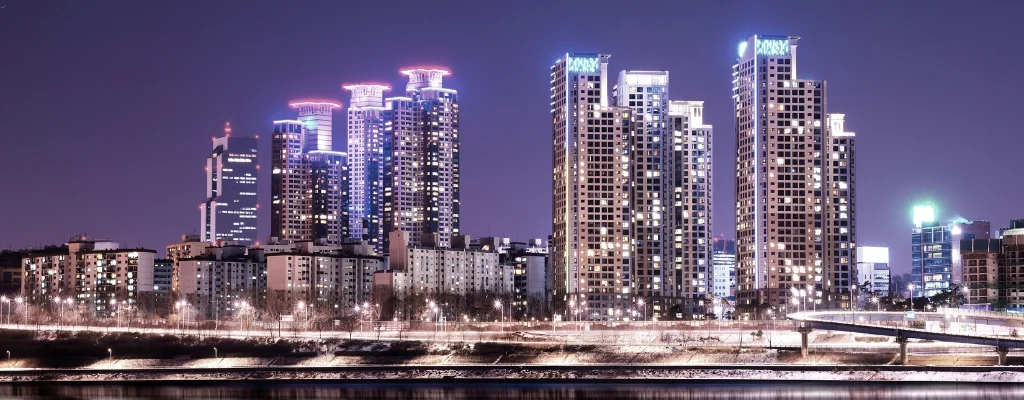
{"x":517,"y":207}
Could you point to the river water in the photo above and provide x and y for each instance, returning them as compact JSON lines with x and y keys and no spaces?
{"x":502,"y":391}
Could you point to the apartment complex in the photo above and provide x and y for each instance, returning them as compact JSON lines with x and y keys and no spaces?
{"x":993,"y":269}
{"x":215,"y":280}
{"x":631,"y":193}
{"x":96,"y":275}
{"x":795,"y":183}
{"x":421,"y":169}
{"x":335,"y":279}
{"x":366,"y":162}
{"x":458,"y":269}
{"x":309,"y":180}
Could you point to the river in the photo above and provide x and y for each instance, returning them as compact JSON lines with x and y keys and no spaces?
{"x":513,"y":391}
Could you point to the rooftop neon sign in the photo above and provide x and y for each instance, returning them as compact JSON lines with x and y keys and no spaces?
{"x":584,"y":65}
{"x":772,"y":47}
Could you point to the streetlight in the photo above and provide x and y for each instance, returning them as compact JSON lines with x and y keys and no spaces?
{"x":877,"y":304}
{"x":19,"y":300}
{"x":501,"y":315}
{"x":215,"y":353}
{"x":643,"y":305}
{"x":911,"y":287}
{"x":3,"y":300}
{"x":182,"y":307}
{"x":110,"y":353}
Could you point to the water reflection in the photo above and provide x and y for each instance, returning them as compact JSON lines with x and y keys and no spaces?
{"x":497,"y":391}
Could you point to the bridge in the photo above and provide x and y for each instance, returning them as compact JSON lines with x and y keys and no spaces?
{"x":983,"y":328}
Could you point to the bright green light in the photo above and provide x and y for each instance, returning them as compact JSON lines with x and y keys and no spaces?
{"x":923,"y":214}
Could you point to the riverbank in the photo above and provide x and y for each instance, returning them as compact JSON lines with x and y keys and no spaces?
{"x":524,"y":374}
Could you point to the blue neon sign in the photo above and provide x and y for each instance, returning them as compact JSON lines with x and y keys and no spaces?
{"x":584,"y":65}
{"x":773,"y":47}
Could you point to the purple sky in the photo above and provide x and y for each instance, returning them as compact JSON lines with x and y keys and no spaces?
{"x":109,"y":106}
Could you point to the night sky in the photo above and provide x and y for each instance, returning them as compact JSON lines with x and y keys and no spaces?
{"x":108,"y":107}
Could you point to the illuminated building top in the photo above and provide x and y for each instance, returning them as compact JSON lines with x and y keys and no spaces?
{"x":366,"y":94}
{"x":424,"y":77}
{"x":769,"y":46}
{"x":314,"y":107}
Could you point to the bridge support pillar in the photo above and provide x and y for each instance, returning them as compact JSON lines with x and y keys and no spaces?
{"x":1002,"y":354}
{"x":904,"y":357}
{"x":804,"y":332}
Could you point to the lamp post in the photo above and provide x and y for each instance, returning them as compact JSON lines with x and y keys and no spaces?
{"x":215,"y":353}
{"x":5,"y":300}
{"x":501,"y":315}
{"x":21,"y":300}
{"x":643,"y":306}
{"x":110,"y":353}
{"x":877,"y":304}
{"x":911,"y":287}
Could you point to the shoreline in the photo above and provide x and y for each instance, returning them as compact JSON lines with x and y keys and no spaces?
{"x":521,"y":374}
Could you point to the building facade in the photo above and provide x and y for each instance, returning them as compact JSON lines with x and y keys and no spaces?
{"x":959,"y":231}
{"x":873,"y":270}
{"x":421,"y":169}
{"x":191,"y":245}
{"x":214,"y":281}
{"x":724,"y":268}
{"x":688,"y":208}
{"x":163,"y":275}
{"x":10,"y":273}
{"x":309,"y":179}
{"x":981,"y":270}
{"x":935,"y":264}
{"x":328,"y":280}
{"x":98,"y":276}
{"x":592,"y":217}
{"x":993,"y":269}
{"x":366,"y":163}
{"x":229,"y":212}
{"x":457,"y":270}
{"x":289,"y":204}
{"x":795,"y":231}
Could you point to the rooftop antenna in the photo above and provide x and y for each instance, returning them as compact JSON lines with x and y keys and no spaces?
{"x":227,"y":128}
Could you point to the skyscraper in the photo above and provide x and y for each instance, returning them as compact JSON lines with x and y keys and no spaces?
{"x":591,"y":191}
{"x":645,"y":93}
{"x":329,"y":200}
{"x":670,"y":178}
{"x":365,"y":162}
{"x":229,"y":212}
{"x":794,"y":184}
{"x":421,"y":159}
{"x":309,"y":180}
{"x":288,"y":180}
{"x":688,"y":205}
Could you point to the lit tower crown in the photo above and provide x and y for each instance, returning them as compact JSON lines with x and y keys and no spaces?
{"x":424,"y":77}
{"x":367,"y":94}
{"x":317,"y":117}
{"x":227,"y":129}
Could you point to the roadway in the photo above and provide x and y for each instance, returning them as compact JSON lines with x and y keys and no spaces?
{"x":998,"y":330}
